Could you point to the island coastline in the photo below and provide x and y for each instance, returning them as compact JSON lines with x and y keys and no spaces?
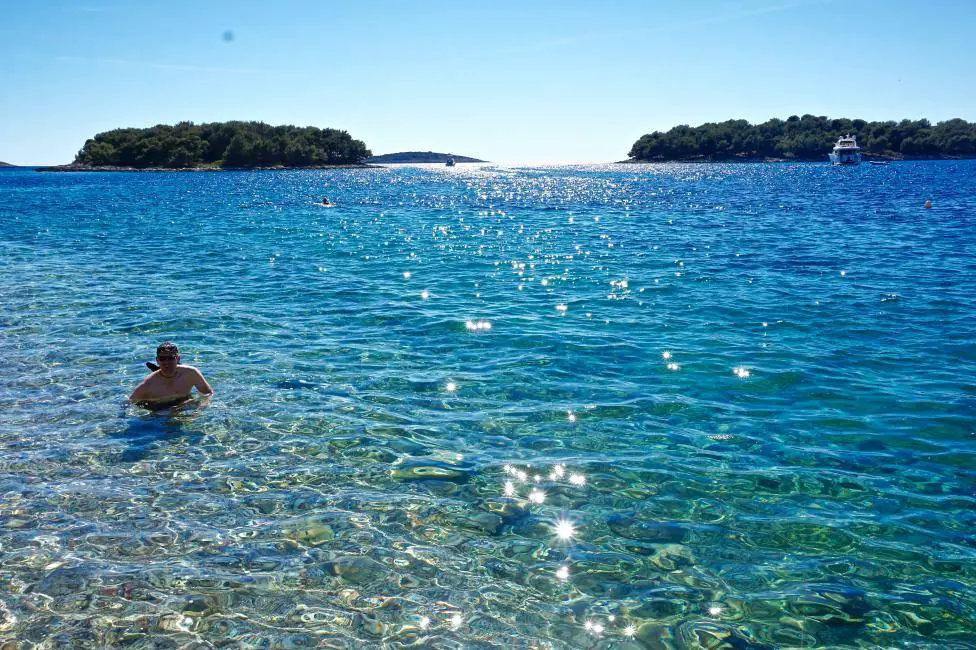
{"x":808,"y":138}
{"x":234,"y":145}
{"x":75,"y":167}
{"x":778,"y":159}
{"x":421,"y":157}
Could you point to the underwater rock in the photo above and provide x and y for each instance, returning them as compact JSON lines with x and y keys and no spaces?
{"x":266,"y":505}
{"x":807,"y":535}
{"x":704,"y":635}
{"x":655,"y":637}
{"x":303,"y":500}
{"x":7,"y":620}
{"x":172,"y":623}
{"x":64,"y":581}
{"x":375,"y":454}
{"x":510,"y":510}
{"x":400,"y":443}
{"x":539,"y":443}
{"x":71,"y":603}
{"x":641,"y":548}
{"x":425,"y":469}
{"x":314,"y":576}
{"x":658,"y":608}
{"x":370,"y":625}
{"x":604,"y":584}
{"x":592,"y":559}
{"x":835,"y":606}
{"x":533,"y":527}
{"x":648,"y":531}
{"x":502,"y":570}
{"x":912,"y":620}
{"x":357,"y":569}
{"x":296,"y":642}
{"x":672,"y":556}
{"x":441,"y":488}
{"x":310,"y":532}
{"x":564,"y":496}
{"x":484,"y":522}
{"x":408,"y":581}
{"x":197,"y":606}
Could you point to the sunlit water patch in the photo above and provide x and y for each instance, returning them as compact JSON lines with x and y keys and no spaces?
{"x":667,"y":406}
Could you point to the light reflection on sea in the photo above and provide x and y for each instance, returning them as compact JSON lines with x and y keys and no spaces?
{"x":633,"y":406}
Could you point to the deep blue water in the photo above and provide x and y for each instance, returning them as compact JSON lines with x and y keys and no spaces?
{"x":761,"y":379}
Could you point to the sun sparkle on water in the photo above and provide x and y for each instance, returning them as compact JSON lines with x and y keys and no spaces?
{"x":595,"y":628}
{"x":564,"y":529}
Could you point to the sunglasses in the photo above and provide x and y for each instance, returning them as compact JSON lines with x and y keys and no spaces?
{"x":166,"y":358}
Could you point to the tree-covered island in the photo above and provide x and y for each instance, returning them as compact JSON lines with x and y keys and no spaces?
{"x":808,"y":138}
{"x":421,"y":157}
{"x":219,"y":145}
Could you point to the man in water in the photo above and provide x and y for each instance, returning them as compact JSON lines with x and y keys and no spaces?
{"x":171,"y":383}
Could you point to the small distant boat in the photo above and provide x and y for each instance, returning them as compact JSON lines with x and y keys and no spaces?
{"x":877,"y":162}
{"x":450,"y":161}
{"x":846,"y":151}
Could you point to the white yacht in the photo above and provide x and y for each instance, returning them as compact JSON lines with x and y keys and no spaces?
{"x":846,"y":151}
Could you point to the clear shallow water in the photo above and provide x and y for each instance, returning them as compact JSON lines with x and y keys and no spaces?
{"x":802,"y":475}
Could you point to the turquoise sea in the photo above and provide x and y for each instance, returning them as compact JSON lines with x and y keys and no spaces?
{"x":661,"y":406}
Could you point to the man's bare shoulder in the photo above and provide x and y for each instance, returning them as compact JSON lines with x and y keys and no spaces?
{"x":148,"y":378}
{"x":145,"y":385}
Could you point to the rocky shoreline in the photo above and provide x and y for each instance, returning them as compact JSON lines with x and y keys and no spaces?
{"x":74,"y":167}
{"x":746,"y":159}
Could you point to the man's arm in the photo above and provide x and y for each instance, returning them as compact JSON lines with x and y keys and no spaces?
{"x":201,"y":384}
{"x":141,"y":392}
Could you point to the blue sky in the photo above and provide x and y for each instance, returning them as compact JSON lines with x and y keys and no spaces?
{"x":513,"y":82}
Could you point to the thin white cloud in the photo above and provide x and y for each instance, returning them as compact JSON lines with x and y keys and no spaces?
{"x":771,"y":9}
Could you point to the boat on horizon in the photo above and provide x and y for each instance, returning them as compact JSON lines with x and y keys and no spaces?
{"x":846,"y":151}
{"x":450,"y":161}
